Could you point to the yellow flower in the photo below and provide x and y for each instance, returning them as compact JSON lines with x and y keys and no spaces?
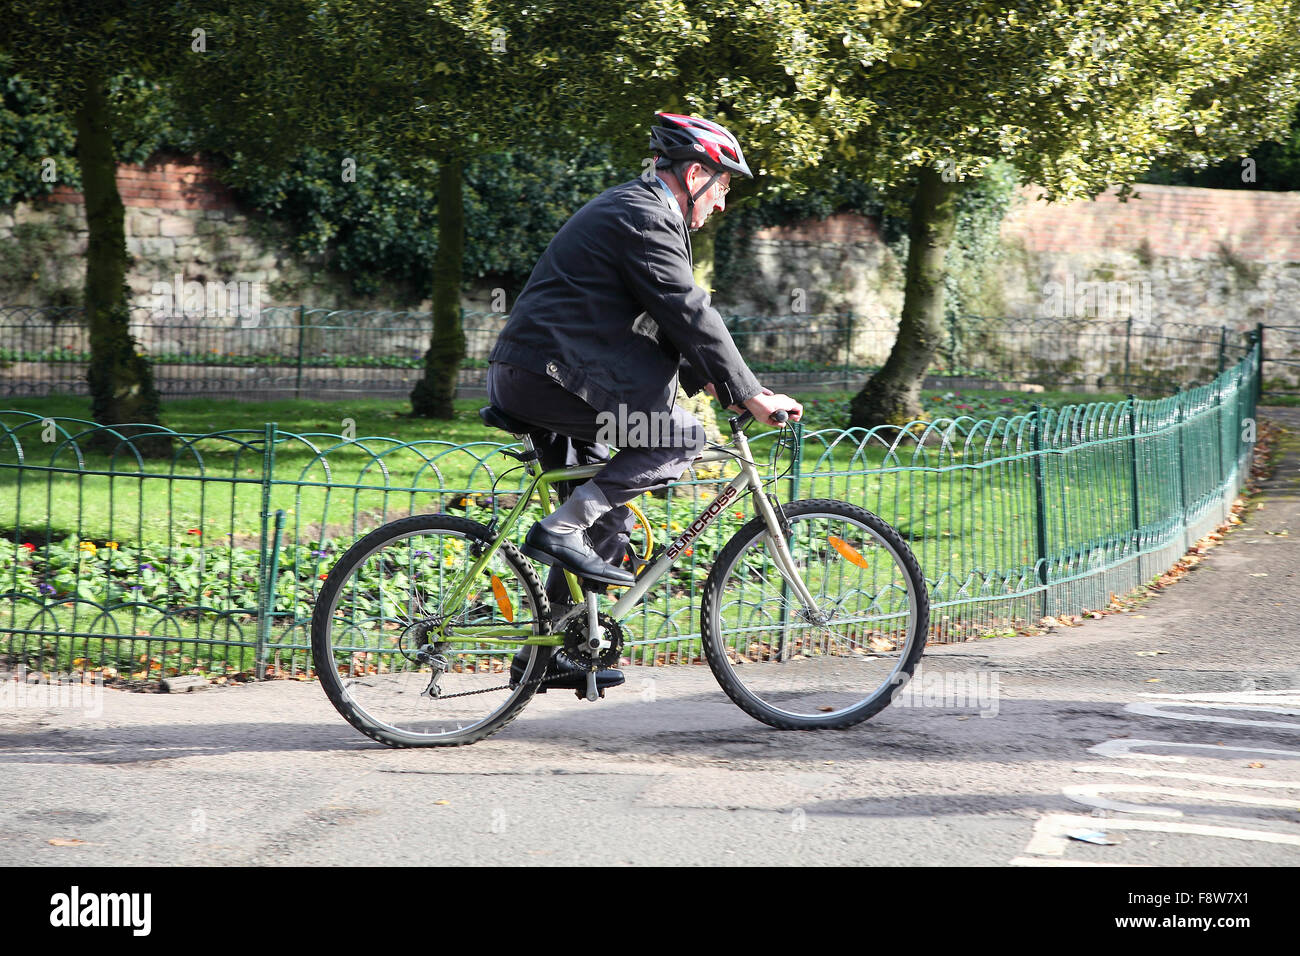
{"x":676,"y":526}
{"x":88,"y":547}
{"x":111,"y":544}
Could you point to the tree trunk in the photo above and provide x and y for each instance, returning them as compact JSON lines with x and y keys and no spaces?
{"x":433,"y":396}
{"x":121,"y":383}
{"x":893,"y":395}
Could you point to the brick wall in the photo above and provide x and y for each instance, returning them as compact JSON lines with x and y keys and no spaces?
{"x":173,"y":183}
{"x":1180,"y":222}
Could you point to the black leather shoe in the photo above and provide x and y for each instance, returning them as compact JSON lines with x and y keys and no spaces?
{"x":563,"y":673}
{"x":573,"y":551}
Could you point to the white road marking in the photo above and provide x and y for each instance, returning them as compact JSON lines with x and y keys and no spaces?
{"x":1157,"y":709}
{"x":1048,"y":845}
{"x":1050,"y":838}
{"x":1090,"y":795}
{"x":1252,"y":697}
{"x":1121,"y":748}
{"x":1200,"y":777}
{"x":1039,"y":861}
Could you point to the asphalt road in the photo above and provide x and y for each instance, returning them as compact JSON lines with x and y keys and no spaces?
{"x":1187,"y":756}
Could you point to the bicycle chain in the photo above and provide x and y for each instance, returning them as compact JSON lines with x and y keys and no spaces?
{"x":492,"y":690}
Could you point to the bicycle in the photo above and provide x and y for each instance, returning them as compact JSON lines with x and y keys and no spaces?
{"x":813,"y":616}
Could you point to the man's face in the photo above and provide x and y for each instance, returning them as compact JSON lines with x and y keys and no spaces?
{"x":712,"y":201}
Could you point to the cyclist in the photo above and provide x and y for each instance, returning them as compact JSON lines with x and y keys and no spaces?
{"x":608,"y":323}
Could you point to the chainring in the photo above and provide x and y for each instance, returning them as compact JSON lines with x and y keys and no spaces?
{"x":575,"y":636}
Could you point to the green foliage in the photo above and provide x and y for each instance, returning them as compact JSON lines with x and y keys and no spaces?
{"x":34,"y":129}
{"x":383,"y":227}
{"x":971,"y":288}
{"x":1277,"y":167}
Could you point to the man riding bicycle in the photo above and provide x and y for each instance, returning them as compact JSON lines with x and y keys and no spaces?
{"x":610,"y":321}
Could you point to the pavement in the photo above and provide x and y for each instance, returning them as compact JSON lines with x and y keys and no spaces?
{"x":1171,"y":734}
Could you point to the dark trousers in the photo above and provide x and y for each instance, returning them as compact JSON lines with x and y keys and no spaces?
{"x":568,"y":435}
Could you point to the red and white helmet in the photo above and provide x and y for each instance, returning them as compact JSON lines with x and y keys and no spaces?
{"x":689,"y":137}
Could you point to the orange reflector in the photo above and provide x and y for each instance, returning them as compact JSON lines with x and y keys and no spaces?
{"x":503,"y":599}
{"x":846,"y":549}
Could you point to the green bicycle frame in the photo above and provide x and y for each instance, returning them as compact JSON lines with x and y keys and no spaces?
{"x":748,"y":478}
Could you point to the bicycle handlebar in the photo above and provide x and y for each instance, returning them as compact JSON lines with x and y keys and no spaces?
{"x":744,"y":418}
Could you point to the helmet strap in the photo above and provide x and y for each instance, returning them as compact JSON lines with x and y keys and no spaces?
{"x":691,"y":200}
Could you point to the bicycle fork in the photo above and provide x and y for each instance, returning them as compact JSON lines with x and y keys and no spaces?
{"x":785,"y":562}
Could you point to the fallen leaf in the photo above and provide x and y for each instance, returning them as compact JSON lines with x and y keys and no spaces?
{"x":1259,"y":574}
{"x":66,"y":841}
{"x":1255,"y":766}
{"x":1152,"y":680}
{"x":442,"y":803}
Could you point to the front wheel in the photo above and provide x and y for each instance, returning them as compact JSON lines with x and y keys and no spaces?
{"x":404,"y":667}
{"x":834,"y":666}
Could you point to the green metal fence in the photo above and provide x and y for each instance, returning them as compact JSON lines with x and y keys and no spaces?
{"x":211,"y":557}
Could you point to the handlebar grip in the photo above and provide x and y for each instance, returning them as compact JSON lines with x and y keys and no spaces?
{"x":780,"y":417}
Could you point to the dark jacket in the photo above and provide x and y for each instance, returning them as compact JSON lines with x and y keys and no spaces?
{"x":612,"y":312}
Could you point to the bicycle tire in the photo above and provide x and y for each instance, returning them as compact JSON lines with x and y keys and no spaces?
{"x":325,"y":647}
{"x":727,"y":621}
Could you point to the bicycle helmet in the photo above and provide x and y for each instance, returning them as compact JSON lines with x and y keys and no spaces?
{"x":697,"y":140}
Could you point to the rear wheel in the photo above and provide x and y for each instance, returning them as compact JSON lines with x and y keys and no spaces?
{"x":798,"y":670}
{"x":374,"y":640}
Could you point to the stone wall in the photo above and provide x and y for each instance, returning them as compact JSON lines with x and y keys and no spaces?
{"x":1206,"y":256}
{"x":181,"y":221}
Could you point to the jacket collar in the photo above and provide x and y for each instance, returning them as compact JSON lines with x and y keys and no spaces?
{"x":664,"y":194}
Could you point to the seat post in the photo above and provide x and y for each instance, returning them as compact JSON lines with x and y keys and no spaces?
{"x":527,"y":441}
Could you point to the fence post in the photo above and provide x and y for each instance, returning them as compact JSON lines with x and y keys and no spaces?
{"x":1128,"y":349}
{"x":848,"y":349}
{"x":302,"y":317}
{"x":1040,"y":501}
{"x":1133,"y":469}
{"x":1259,"y":367}
{"x":1181,"y":425}
{"x":267,"y":612}
{"x":1223,"y":345}
{"x":1218,"y":446}
{"x":266,"y":592}
{"x":952,"y":345}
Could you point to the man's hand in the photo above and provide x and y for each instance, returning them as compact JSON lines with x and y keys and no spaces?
{"x":763,"y":404}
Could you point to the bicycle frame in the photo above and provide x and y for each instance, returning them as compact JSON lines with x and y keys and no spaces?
{"x":748,"y":478}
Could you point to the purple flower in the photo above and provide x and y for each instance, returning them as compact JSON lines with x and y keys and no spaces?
{"x":146,"y":567}
{"x":46,"y":588}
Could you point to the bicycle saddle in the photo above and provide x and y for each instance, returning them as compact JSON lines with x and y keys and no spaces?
{"x":493,"y":416}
